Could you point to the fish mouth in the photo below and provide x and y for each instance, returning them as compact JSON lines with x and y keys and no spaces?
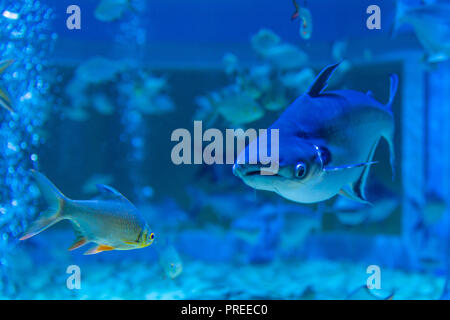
{"x":250,"y":170}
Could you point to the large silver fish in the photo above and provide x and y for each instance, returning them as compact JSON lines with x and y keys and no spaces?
{"x":326,"y":144}
{"x":112,"y":222}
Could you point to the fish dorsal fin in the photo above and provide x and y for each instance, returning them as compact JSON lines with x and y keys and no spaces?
{"x":110,"y":193}
{"x":321,"y":82}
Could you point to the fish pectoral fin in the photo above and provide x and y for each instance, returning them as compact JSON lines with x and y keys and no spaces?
{"x":348,"y":191}
{"x":98,"y":249}
{"x":79,"y":242}
{"x":356,"y":190}
{"x":80,"y":239}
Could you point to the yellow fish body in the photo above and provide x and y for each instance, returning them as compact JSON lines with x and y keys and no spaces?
{"x":112,"y":222}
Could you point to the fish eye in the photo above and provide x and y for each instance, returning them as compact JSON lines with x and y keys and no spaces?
{"x":300,"y":170}
{"x":152,"y":236}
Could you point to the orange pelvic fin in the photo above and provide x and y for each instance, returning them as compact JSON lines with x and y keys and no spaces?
{"x":98,"y":249}
{"x":77,"y":244}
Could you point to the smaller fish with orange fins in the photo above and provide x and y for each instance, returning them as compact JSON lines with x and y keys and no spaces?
{"x":5,"y":101}
{"x":112,"y":222}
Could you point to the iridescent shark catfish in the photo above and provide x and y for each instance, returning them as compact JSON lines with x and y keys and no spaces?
{"x":326,"y":144}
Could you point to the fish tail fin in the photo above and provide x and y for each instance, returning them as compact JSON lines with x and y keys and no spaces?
{"x":56,"y":201}
{"x":393,"y":89}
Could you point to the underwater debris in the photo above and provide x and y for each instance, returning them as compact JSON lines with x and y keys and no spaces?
{"x":111,"y":221}
{"x":431,"y":23}
{"x":329,"y":166}
{"x":5,"y":101}
{"x":110,"y":10}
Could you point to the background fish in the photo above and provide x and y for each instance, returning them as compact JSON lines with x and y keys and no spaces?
{"x":431,"y":23}
{"x":5,"y":101}
{"x":237,"y":106}
{"x":112,"y":222}
{"x":110,"y":10}
{"x":169,"y":259}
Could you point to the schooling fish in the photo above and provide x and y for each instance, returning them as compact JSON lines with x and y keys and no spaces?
{"x":112,"y":222}
{"x":326,"y":144}
{"x":5,"y":101}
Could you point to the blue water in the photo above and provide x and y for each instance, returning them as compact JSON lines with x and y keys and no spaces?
{"x":98,"y":105}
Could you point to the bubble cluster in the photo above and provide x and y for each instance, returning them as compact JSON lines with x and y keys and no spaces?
{"x":26,"y":38}
{"x":132,"y":35}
